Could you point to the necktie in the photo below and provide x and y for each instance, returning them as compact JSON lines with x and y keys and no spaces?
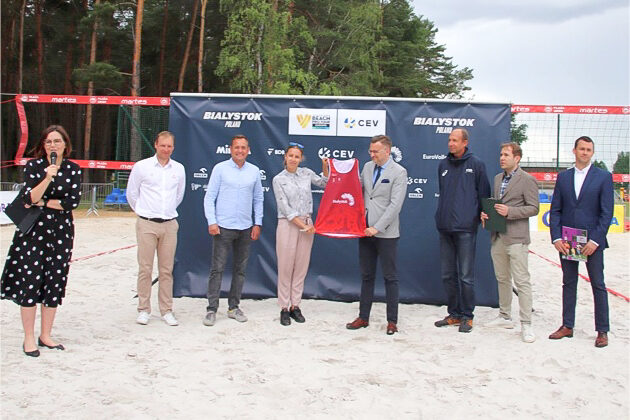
{"x":378,"y":174}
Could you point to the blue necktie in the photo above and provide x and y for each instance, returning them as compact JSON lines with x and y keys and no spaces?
{"x":378,"y":174}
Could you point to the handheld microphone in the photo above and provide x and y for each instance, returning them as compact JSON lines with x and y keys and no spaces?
{"x":53,"y":157}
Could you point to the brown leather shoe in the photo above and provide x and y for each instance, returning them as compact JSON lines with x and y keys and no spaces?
{"x":601,"y":340}
{"x":391,"y":328}
{"x":561,"y":333}
{"x":357,"y":323}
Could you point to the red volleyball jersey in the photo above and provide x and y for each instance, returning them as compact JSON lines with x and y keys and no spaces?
{"x":342,"y":211}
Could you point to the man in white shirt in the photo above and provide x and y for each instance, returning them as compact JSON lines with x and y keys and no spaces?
{"x":155,"y":189}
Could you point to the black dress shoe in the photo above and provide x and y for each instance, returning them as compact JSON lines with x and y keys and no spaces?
{"x":40,"y":343}
{"x":285,"y":319}
{"x":297,"y":315}
{"x":34,"y":353}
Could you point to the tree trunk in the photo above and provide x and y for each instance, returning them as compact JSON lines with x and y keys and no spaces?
{"x":39,"y":40}
{"x":136,"y":146}
{"x":88,"y":112}
{"x":259,"y":64}
{"x":163,"y":49}
{"x":135,"y":74}
{"x":182,"y":71}
{"x":201,"y":39}
{"x":21,"y":49}
{"x":67,"y":78}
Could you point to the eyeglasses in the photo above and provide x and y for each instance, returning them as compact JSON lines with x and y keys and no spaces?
{"x":50,"y":142}
{"x":292,"y":143}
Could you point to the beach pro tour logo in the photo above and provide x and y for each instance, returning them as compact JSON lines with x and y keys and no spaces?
{"x":346,"y":198}
{"x":312,"y":122}
{"x":303,"y":120}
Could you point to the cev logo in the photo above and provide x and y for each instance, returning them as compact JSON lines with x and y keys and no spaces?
{"x":349,"y":123}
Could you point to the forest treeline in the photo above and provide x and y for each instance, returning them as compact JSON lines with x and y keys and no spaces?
{"x":154,"y":47}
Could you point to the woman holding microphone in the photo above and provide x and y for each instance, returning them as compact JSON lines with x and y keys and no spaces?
{"x":36,"y":269}
{"x":294,"y":236}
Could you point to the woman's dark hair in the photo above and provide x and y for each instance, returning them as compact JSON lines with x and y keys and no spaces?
{"x":40,"y":151}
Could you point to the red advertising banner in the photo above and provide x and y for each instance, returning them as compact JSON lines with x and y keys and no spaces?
{"x":23,"y":128}
{"x":552,"y":176}
{"x":91,"y":164}
{"x":571,"y":109}
{"x":96,"y":100}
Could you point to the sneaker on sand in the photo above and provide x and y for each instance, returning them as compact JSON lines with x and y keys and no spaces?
{"x":169,"y":318}
{"x":527,"y":333}
{"x":466,"y":325}
{"x":237,"y":314}
{"x":449,"y":320}
{"x":143,"y":318}
{"x":210,"y":319}
{"x":500,"y":322}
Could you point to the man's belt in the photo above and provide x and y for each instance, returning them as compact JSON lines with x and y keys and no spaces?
{"x":155,"y":219}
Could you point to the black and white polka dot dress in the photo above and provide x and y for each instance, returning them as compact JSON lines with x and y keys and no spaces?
{"x":36,"y":269}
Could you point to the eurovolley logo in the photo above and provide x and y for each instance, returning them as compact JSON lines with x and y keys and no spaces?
{"x":349,"y":122}
{"x":303,"y":120}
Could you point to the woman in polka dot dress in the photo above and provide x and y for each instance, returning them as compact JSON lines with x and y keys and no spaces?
{"x":36,"y":269}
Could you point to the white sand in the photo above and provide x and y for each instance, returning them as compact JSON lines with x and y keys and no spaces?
{"x":115,"y":368}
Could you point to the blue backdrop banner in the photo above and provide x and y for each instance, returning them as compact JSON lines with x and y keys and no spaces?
{"x":341,"y":128}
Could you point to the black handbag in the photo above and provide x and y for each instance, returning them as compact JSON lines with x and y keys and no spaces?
{"x":23,"y":217}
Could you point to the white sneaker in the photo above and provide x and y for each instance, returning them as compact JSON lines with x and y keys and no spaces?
{"x":500,"y":322}
{"x":169,"y":318}
{"x":527,"y":333}
{"x":237,"y":314}
{"x":143,"y":318}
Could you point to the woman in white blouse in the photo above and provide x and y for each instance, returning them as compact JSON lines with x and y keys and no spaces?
{"x":294,"y":236}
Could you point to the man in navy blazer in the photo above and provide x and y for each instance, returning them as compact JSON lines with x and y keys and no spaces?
{"x":583,"y":199}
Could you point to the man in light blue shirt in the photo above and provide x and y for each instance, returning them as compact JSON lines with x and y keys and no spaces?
{"x":233,"y":190}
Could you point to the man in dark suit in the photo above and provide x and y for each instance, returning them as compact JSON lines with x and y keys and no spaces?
{"x":583,"y":199}
{"x":384,"y":188}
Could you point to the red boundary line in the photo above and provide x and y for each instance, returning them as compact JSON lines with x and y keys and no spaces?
{"x":87,"y":257}
{"x":611,"y":291}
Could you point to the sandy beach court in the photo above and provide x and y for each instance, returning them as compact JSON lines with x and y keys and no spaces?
{"x":114,"y":368}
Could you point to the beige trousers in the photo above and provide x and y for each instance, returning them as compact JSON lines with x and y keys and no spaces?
{"x":152,"y":237}
{"x":293,"y":249}
{"x":510,"y":264}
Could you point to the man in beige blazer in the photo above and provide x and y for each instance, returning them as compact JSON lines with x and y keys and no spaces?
{"x":518,"y":192}
{"x":384,"y":188}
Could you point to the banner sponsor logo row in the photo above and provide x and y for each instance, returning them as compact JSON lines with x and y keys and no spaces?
{"x":337,"y":122}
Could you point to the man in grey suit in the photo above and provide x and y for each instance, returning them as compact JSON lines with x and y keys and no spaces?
{"x":518,"y":192}
{"x":384,"y":187}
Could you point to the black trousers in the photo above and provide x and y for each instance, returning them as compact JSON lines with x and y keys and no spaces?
{"x":371,"y":250}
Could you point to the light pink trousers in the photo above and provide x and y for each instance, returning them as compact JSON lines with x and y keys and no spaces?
{"x":293,"y":249}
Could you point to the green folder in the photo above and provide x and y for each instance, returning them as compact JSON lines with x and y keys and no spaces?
{"x":495,"y":222}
